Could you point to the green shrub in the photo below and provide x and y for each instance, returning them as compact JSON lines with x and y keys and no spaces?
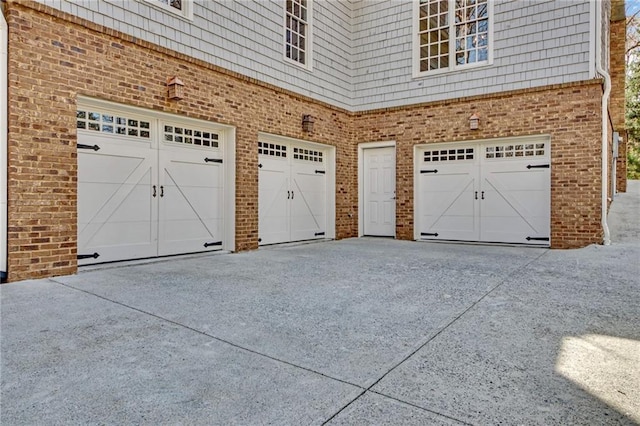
{"x":633,"y":161}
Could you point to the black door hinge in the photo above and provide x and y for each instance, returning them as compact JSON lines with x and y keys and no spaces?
{"x":317,"y":234}
{"x":216,"y":243}
{"x":429,"y":171}
{"x":540,"y":166}
{"x":213,"y":160}
{"x":537,"y":238}
{"x":321,"y":172}
{"x":84,"y":146}
{"x":88,"y":256}
{"x":427,"y":234}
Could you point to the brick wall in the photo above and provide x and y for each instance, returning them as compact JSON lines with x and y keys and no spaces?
{"x":570,"y":114}
{"x":55,"y":57}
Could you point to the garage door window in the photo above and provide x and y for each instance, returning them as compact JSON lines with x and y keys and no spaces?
{"x":307,"y":155}
{"x":190,"y":136}
{"x":272,"y":149}
{"x":449,"y":155}
{"x":514,"y":151}
{"x":108,"y":123}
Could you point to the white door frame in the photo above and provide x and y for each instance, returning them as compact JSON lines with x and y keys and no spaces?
{"x":479,"y":143}
{"x":361,"y":171}
{"x":228,"y":141}
{"x":330,"y":174}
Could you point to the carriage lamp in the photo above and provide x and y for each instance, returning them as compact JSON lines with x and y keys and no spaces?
{"x":307,"y":123}
{"x":176,"y":88}
{"x":474,"y":121}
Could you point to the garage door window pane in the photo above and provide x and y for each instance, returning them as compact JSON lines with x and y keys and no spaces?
{"x":190,"y":136}
{"x":515,"y":151}
{"x":109,"y":123}
{"x":455,"y":154}
{"x":272,"y":149}
{"x":307,"y":155}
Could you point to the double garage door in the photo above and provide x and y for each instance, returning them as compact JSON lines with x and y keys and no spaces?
{"x":147,"y":185}
{"x":494,"y":191}
{"x":295,"y":200}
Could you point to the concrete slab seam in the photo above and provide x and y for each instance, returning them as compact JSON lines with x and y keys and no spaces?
{"x":397,"y":400}
{"x":368,"y":389}
{"x":343,"y":408}
{"x":235,"y":345}
{"x":420,"y":408}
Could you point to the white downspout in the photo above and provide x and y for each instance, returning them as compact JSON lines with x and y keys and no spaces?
{"x":4,"y":122}
{"x":605,"y":116}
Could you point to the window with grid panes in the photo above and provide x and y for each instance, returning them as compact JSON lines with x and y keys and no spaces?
{"x":452,"y":33}
{"x":296,"y":41}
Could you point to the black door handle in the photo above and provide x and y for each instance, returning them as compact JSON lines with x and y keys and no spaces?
{"x":161,"y":191}
{"x":482,"y":195}
{"x":476,"y":195}
{"x":154,"y":191}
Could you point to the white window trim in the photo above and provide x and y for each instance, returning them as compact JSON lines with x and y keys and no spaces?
{"x":453,"y":67}
{"x":308,"y":65}
{"x":186,"y":12}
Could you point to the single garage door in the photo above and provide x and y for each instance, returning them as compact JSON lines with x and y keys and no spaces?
{"x":294,"y":199}
{"x":147,"y":185}
{"x":493,"y":191}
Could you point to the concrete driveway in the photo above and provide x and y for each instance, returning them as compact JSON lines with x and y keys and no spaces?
{"x":359,"y":331}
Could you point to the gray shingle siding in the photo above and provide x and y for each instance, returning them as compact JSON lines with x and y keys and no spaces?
{"x":362,"y":50}
{"x":535,"y":43}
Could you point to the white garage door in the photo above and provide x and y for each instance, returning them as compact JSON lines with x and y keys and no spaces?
{"x":147,"y":186}
{"x":293,"y":191}
{"x":495,"y":191}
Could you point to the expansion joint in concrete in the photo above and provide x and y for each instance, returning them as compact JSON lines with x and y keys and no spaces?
{"x":219,"y":339}
{"x":429,"y":340}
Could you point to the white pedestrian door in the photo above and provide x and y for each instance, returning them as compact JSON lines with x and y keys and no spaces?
{"x":489,"y":192}
{"x":379,"y":192}
{"x":292,"y":199}
{"x":146,"y":188}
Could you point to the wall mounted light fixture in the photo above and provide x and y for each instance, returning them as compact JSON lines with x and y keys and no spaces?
{"x":474,"y":122}
{"x":307,"y":123}
{"x":176,"y":88}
